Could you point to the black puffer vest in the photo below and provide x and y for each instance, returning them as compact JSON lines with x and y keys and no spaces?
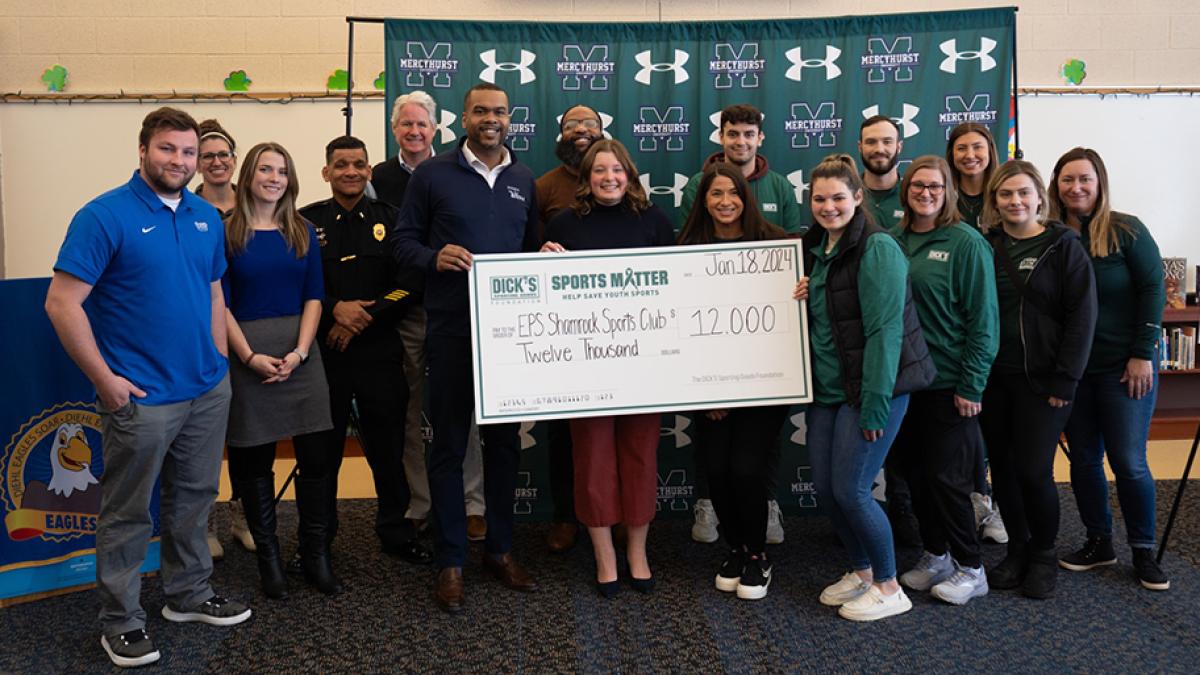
{"x":845,"y":314}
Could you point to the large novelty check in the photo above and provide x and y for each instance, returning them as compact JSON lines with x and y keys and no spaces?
{"x":641,"y":330}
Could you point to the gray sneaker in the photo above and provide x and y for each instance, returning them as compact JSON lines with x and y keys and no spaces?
{"x":774,"y":523}
{"x":130,"y":649}
{"x":704,"y":530}
{"x":929,"y":571}
{"x":964,"y":584}
{"x":216,"y":611}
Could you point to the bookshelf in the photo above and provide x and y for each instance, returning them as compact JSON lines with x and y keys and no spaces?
{"x":1177,"y":411}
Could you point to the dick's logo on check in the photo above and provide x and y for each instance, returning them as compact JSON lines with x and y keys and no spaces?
{"x":517,"y":287}
{"x":428,"y":65}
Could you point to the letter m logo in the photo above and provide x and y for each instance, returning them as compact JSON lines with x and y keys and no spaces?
{"x":725,"y":51}
{"x":877,"y":74}
{"x":416,"y":77}
{"x":595,"y":54}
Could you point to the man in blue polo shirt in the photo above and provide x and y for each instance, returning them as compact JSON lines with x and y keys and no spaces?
{"x":478,"y":199}
{"x":136,"y":301}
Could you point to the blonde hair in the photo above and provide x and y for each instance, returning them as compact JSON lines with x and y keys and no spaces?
{"x":238,"y":227}
{"x":1103,"y":228}
{"x":990,"y":215}
{"x":948,"y":215}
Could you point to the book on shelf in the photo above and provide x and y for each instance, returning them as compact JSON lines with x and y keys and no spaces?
{"x":1175,"y":278}
{"x":1178,"y":348}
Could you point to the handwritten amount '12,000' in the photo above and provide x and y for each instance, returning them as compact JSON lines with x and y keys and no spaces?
{"x":749,"y":320}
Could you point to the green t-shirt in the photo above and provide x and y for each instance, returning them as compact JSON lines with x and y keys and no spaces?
{"x":969,"y":208}
{"x":1025,"y":254}
{"x":885,"y":206}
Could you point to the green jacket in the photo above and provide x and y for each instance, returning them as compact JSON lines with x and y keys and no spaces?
{"x":775,"y":196}
{"x":884,"y":206}
{"x":954,"y":287}
{"x":1129,"y":287}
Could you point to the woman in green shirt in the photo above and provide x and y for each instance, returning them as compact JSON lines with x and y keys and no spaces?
{"x":1116,"y":397}
{"x":937,"y":449}
{"x":971,"y":153}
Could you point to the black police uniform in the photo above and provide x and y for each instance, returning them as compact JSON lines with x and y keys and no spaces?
{"x":358,"y":265}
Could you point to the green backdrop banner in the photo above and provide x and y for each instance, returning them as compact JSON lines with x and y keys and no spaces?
{"x":660,"y":87}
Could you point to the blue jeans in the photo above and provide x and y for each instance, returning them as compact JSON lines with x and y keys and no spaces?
{"x":844,"y":468}
{"x":1107,"y":421}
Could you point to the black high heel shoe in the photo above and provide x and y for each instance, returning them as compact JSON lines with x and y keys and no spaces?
{"x":608,"y":589}
{"x":643,"y":586}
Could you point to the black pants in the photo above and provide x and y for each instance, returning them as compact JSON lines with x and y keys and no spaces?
{"x":562,"y":470}
{"x":1022,"y":430}
{"x":371,"y":374}
{"x":937,"y":452}
{"x":737,"y":452}
{"x":770,"y":475}
{"x":257,"y":461}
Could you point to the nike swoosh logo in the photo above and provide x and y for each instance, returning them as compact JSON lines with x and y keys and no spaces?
{"x":147,"y":229}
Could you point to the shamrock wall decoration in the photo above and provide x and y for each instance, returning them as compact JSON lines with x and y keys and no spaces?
{"x":339,"y":80}
{"x":237,"y":81}
{"x":1073,"y":71}
{"x":55,"y":78}
{"x":381,"y":81}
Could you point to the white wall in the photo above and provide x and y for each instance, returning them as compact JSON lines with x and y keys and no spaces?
{"x":53,"y":158}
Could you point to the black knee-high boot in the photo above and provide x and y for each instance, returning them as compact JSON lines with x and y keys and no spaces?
{"x":312,"y":502}
{"x":258,"y":499}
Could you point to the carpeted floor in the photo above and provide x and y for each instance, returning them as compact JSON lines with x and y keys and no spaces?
{"x":1101,"y":621}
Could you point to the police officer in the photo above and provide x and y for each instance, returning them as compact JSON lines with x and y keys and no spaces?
{"x":366,"y":294}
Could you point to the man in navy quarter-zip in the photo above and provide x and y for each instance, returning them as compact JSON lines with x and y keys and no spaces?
{"x":478,"y":199}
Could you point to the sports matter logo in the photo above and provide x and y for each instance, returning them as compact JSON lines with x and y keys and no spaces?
{"x":668,"y":126}
{"x":958,"y":110}
{"x":649,"y":67}
{"x":799,"y":63}
{"x":428,"y":66}
{"x":906,"y":121}
{"x":895,"y":58}
{"x":493,"y":66}
{"x":983,"y":55}
{"x":585,"y":70}
{"x":811,"y":126}
{"x":740,"y":64}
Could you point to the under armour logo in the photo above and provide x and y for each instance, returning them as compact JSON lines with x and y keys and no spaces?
{"x":676,"y":191}
{"x":799,"y":63}
{"x":526,"y":435}
{"x":489,"y":59}
{"x":799,"y":187}
{"x":677,"y":431}
{"x":879,"y":489}
{"x":605,"y":120}
{"x":953,"y":56}
{"x":799,"y":420}
{"x":648,"y":67}
{"x":905,"y":121}
{"x":445,"y":133}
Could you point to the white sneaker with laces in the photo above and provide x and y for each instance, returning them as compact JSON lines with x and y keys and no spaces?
{"x":982,"y":505}
{"x":849,"y":587}
{"x":774,"y":523}
{"x":874,"y":605}
{"x":993,"y":527}
{"x":704,"y":530}
{"x":964,"y":584}
{"x":929,"y":571}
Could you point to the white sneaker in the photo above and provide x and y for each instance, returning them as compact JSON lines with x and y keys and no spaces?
{"x":982,"y":505}
{"x":929,"y":571}
{"x":214,"y":545}
{"x":237,"y":525}
{"x":874,"y":605}
{"x":704,"y":530}
{"x":849,"y":587}
{"x":964,"y":584}
{"x":993,"y":527}
{"x":774,"y":523}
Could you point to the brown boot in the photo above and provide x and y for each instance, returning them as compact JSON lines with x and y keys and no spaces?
{"x":449,"y":590}
{"x":561,"y":537}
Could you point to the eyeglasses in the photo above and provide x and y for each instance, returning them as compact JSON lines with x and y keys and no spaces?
{"x":223,"y":155}
{"x":933,"y":188}
{"x":590,"y":125}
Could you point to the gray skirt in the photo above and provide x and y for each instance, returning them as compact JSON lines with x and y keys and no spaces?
{"x":261,"y":413}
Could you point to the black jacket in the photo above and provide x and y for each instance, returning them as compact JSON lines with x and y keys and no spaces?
{"x":390,"y":181}
{"x":1058,"y":323}
{"x":916,"y":370}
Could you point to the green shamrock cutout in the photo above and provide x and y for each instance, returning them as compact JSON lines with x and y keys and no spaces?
{"x":1074,"y":71}
{"x":55,"y":78}
{"x":339,"y":80}
{"x":237,"y":81}
{"x":381,"y":81}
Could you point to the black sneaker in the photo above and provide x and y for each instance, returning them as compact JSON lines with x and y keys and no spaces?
{"x":129,"y":650}
{"x":216,"y":611}
{"x":1096,"y":552}
{"x":756,"y":577}
{"x":731,"y":571}
{"x":1147,"y":570}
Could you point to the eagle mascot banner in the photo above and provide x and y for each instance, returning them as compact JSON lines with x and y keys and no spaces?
{"x":659,"y":89}
{"x":52,"y":460}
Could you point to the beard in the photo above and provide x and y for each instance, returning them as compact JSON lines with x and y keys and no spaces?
{"x":895,"y":159}
{"x":568,"y":154}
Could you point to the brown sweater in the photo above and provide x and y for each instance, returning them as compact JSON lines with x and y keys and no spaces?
{"x":555,"y":192}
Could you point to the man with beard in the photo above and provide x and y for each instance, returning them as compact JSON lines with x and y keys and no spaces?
{"x":741,"y":137}
{"x":414,"y":123}
{"x":879,"y":145}
{"x":366,"y":294}
{"x":580,"y":127}
{"x":477,"y":199}
{"x":148,"y":258}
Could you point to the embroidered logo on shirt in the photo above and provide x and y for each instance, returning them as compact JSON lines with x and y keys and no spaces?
{"x":898,"y":213}
{"x":379,"y":231}
{"x":940,"y":256}
{"x":321,"y":234}
{"x":201,"y":226}
{"x":146,"y":230}
{"x":515,"y":193}
{"x":1027,"y":264}
{"x":770,"y":207}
